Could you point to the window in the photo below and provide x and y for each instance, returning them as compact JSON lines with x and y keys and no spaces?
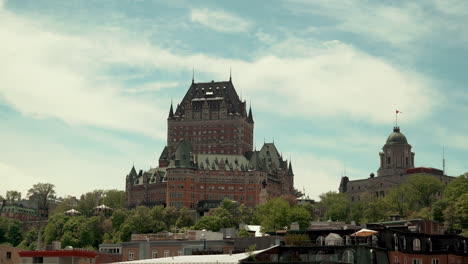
{"x":395,"y":260}
{"x":417,"y":261}
{"x":348,"y":256}
{"x":131,"y":255}
{"x":388,"y":160}
{"x":320,"y":241}
{"x":395,"y":238}
{"x":8,"y":255}
{"x":435,"y":261}
{"x":154,"y":253}
{"x":166,"y":253}
{"x":416,"y":244}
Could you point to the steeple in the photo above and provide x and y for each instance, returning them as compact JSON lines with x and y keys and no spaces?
{"x":171,"y":112}
{"x":250,"y":116}
{"x":290,"y":169}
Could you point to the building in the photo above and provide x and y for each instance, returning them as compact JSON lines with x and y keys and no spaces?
{"x":21,"y":211}
{"x":396,"y":166}
{"x":209,"y":156}
{"x":9,"y":255}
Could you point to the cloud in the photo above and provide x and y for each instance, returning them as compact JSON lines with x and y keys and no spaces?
{"x":48,"y":74}
{"x":219,"y":20}
{"x":318,"y":175}
{"x":401,"y":24}
{"x":152,"y":87}
{"x":52,"y":74}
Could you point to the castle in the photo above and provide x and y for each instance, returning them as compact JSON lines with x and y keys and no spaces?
{"x":396,"y":165}
{"x":209,"y":156}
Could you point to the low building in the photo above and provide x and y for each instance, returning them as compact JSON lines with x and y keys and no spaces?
{"x":58,"y":257}
{"x":9,"y":255}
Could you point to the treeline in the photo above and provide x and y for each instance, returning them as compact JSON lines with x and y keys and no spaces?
{"x":419,"y":197}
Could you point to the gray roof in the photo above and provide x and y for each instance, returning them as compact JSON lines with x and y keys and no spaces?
{"x":396,"y":137}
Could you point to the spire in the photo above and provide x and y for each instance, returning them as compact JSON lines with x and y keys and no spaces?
{"x":193,"y":75}
{"x":290,"y":168}
{"x":250,"y":116}
{"x":171,"y":111}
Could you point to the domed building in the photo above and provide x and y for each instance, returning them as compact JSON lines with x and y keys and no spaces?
{"x":396,"y":156}
{"x":396,"y":165}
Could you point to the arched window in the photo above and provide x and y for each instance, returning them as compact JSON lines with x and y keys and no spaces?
{"x":416,"y":244}
{"x":348,"y":240}
{"x":373,"y":257}
{"x":429,"y":243}
{"x":320,"y":241}
{"x":374,"y":240}
{"x":348,"y":256}
{"x":403,"y":243}
{"x":395,"y":238}
{"x":320,"y":255}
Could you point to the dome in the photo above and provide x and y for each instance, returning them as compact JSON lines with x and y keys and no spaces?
{"x":396,"y":137}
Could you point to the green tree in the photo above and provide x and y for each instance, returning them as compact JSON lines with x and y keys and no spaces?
{"x":208,"y":222}
{"x":13,"y":196}
{"x":42,"y":193}
{"x":336,"y":206}
{"x":424,"y":188}
{"x":13,"y":234}
{"x":54,"y":228}
{"x":300,"y":215}
{"x":273,"y":215}
{"x":400,"y":200}
{"x":89,"y":201}
{"x":115,"y":199}
{"x":456,"y":188}
{"x":65,"y":204}
{"x":184,"y":220}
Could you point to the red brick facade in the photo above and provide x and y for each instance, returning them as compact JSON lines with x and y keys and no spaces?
{"x":209,"y":155}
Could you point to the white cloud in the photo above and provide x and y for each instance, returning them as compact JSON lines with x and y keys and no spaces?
{"x":152,"y":87}
{"x":219,"y":20}
{"x":318,"y":175}
{"x":49,"y":74}
{"x":401,"y":24}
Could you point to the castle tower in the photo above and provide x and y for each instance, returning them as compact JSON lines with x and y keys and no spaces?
{"x":213,"y":119}
{"x":396,"y":156}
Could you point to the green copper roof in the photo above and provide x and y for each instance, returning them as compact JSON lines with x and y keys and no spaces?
{"x":396,"y":137}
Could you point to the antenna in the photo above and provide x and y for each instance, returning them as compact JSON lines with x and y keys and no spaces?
{"x":193,"y":75}
{"x":443,"y":160}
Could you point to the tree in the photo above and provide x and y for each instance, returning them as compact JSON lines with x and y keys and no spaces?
{"x":335,"y":205}
{"x":65,"y":204}
{"x":89,"y":201}
{"x":184,"y":220}
{"x":456,"y":188}
{"x":208,"y":222}
{"x":115,"y":199}
{"x":13,"y":196}
{"x":41,"y":193}
{"x":54,"y":228}
{"x":300,"y":215}
{"x":400,"y":200}
{"x":14,"y":235}
{"x":424,"y":188}
{"x":273,"y":215}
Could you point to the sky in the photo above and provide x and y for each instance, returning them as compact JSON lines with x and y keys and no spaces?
{"x":86,"y":85}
